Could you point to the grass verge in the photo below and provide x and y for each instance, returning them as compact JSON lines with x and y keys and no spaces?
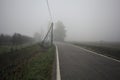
{"x":30,"y":63}
{"x":40,"y":66}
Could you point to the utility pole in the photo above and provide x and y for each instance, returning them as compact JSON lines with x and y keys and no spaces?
{"x":52,"y":24}
{"x":50,"y":30}
{"x":52,"y":33}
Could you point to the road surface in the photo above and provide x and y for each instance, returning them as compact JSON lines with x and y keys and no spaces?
{"x":79,"y":64}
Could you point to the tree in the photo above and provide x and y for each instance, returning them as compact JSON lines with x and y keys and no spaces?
{"x":5,"y":39}
{"x":59,"y":31}
{"x":18,"y":39}
{"x":38,"y":37}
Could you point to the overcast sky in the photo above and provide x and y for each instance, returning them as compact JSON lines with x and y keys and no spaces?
{"x":85,"y":20}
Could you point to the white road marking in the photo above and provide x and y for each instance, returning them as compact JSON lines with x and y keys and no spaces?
{"x":58,"y":76}
{"x":96,"y":53}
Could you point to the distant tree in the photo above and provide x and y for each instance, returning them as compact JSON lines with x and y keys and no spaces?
{"x":16,"y":38}
{"x":37,"y":37}
{"x":2,"y":40}
{"x":5,"y":39}
{"x":59,"y":31}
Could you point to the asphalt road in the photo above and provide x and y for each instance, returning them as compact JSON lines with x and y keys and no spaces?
{"x":78,"y":64}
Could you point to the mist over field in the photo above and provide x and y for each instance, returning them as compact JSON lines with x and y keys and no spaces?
{"x":84,"y":20}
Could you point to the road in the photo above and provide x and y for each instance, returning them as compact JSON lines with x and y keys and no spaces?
{"x":79,"y":64}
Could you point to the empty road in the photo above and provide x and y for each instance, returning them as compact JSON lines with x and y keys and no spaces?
{"x":79,"y":64}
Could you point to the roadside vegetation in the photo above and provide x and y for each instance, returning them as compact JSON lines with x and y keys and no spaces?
{"x":108,"y":50}
{"x":23,"y":58}
{"x":29,"y":63}
{"x":14,"y":42}
{"x":40,"y":66}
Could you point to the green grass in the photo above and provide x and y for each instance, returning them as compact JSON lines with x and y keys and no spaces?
{"x":4,"y":49}
{"x":8,"y":48}
{"x":29,"y":63}
{"x":40,"y":67}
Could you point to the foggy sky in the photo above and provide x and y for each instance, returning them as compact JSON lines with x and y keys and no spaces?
{"x":85,"y":20}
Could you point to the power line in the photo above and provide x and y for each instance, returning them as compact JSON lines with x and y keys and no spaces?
{"x":49,"y":10}
{"x":50,"y":30}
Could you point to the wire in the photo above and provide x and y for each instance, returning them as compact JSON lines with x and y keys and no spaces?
{"x":50,"y":30}
{"x":49,"y":10}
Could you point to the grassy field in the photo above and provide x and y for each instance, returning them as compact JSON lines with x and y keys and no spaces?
{"x":4,"y":49}
{"x":108,"y":49}
{"x":8,"y":48}
{"x":29,"y":63}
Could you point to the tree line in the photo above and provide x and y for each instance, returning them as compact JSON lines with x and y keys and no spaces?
{"x":19,"y":39}
{"x":15,"y":39}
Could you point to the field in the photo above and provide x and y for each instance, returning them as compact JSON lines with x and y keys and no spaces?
{"x":9,"y":48}
{"x":27,"y":63}
{"x":110,"y":49}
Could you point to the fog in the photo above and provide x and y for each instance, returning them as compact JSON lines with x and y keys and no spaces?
{"x":85,"y":20}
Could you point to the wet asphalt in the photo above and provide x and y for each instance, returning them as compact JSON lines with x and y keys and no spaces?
{"x":79,"y":64}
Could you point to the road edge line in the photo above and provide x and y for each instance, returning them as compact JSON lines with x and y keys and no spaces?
{"x":58,"y":76}
{"x":97,"y":53}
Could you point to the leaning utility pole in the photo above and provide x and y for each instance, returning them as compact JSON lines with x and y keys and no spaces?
{"x":52,"y":33}
{"x":50,"y":14}
{"x":50,"y":30}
